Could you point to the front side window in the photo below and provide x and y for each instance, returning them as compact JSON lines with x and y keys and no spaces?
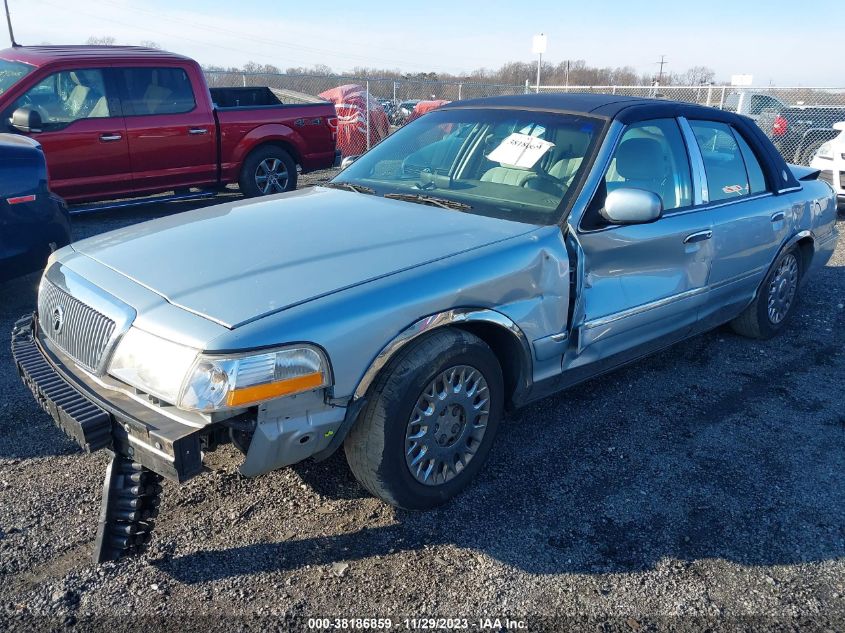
{"x":68,"y":96}
{"x":725,"y":161}
{"x":11,"y":73}
{"x":157,"y":91}
{"x":651,"y":155}
{"x":510,"y":164}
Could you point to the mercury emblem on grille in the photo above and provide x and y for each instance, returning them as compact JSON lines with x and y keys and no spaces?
{"x":58,"y":319}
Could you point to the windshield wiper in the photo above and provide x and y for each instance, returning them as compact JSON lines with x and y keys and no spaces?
{"x":349,"y":186}
{"x":443,"y":203}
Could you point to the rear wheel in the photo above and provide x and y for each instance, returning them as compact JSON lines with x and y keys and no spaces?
{"x":430,"y":421}
{"x":267,"y":170}
{"x":776,"y":299}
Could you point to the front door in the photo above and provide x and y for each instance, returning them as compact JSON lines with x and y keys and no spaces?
{"x":643,"y":284}
{"x":83,"y":134}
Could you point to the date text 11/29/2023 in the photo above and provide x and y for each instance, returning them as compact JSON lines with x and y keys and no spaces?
{"x":418,"y":624}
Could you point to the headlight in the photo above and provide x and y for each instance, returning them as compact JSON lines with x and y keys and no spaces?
{"x":220,"y":382}
{"x":152,"y":364}
{"x":183,"y":376}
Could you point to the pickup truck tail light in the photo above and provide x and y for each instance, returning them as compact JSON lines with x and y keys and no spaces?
{"x":332,"y":121}
{"x":779,"y":126}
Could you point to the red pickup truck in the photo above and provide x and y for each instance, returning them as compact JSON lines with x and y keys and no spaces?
{"x":119,"y":122}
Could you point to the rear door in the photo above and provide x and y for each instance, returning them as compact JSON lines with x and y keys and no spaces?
{"x":749,"y":223}
{"x":643,"y":284}
{"x":83,"y":133}
{"x":170,"y":128}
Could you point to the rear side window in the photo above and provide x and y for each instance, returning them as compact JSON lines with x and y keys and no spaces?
{"x":150,"y":91}
{"x":732,"y":172}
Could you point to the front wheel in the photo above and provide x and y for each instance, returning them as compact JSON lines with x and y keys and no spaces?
{"x":267,"y":170}
{"x":430,"y":421}
{"x":775,"y":302}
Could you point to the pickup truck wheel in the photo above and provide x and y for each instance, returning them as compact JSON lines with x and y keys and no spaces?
{"x":430,"y":421}
{"x":775,"y":301}
{"x":267,"y":170}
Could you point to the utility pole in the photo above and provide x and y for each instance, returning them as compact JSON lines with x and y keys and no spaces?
{"x":9,"y":22}
{"x":662,"y":63}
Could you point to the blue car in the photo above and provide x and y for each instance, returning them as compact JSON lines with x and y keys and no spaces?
{"x":33,"y":221}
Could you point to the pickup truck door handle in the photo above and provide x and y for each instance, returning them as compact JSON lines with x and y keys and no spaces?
{"x":107,"y":138}
{"x":698,"y":237}
{"x":197,"y":130}
{"x":778,"y":216}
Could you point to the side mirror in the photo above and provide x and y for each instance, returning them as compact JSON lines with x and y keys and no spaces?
{"x":346,"y":162}
{"x":632,"y":206}
{"x":26,"y":120}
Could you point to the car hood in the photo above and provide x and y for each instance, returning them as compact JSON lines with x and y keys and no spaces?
{"x":237,"y":262}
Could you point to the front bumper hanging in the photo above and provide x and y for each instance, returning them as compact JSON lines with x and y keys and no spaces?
{"x":145,"y":446}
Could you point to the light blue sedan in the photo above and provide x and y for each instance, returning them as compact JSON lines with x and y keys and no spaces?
{"x":482,"y":257}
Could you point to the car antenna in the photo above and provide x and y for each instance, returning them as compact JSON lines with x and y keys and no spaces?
{"x":9,"y":22}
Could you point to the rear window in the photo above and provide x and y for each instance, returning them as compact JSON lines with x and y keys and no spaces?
{"x":150,"y":91}
{"x":11,"y":73}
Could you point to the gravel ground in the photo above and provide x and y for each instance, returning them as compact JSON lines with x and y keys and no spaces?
{"x":701,"y":487}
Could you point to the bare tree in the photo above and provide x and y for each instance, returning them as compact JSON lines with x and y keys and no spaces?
{"x":106,"y":40}
{"x":150,"y":44}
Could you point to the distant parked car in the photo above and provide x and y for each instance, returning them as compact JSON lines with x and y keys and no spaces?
{"x":798,"y":131}
{"x":402,"y":111}
{"x":830,"y":159}
{"x":752,"y":104}
{"x":425,"y":106}
{"x":123,"y":121}
{"x":351,"y":102}
{"x":33,"y":221}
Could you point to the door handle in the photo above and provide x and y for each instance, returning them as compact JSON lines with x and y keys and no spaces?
{"x":107,"y":138}
{"x":197,"y":130}
{"x":778,"y":216}
{"x":698,"y":237}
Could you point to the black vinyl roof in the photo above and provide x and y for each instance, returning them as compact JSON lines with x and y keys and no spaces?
{"x":586,"y":103}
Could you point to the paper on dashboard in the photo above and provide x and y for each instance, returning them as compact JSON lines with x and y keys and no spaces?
{"x":520,"y":150}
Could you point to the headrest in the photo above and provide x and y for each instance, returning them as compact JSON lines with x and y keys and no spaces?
{"x":640,"y":159}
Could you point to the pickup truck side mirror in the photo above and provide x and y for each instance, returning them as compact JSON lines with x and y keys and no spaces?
{"x":346,"y":162}
{"x":632,"y":206}
{"x":26,"y":120}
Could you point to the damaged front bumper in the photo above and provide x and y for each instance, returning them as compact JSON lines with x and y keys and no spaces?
{"x":127,"y":427}
{"x":145,"y":446}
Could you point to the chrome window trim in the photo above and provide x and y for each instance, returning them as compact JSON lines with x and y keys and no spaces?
{"x":700,"y":191}
{"x":441,"y":319}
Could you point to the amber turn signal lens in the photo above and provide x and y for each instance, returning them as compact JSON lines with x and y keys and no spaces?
{"x":257,"y":393}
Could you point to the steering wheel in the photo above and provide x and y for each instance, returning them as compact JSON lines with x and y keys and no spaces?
{"x":28,"y":102}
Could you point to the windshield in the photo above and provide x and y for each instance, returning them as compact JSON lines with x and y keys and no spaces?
{"x":511,"y":164}
{"x":11,"y":73}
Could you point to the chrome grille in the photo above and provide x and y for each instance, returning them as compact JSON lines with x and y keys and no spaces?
{"x":84,"y":333}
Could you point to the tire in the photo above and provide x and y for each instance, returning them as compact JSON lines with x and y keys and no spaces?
{"x":758,"y":321}
{"x":276,"y":163}
{"x":376,"y":446}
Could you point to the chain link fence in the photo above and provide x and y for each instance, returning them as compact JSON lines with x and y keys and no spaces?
{"x":798,"y":120}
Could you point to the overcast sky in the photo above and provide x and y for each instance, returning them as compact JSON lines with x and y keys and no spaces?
{"x":778,"y":41}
